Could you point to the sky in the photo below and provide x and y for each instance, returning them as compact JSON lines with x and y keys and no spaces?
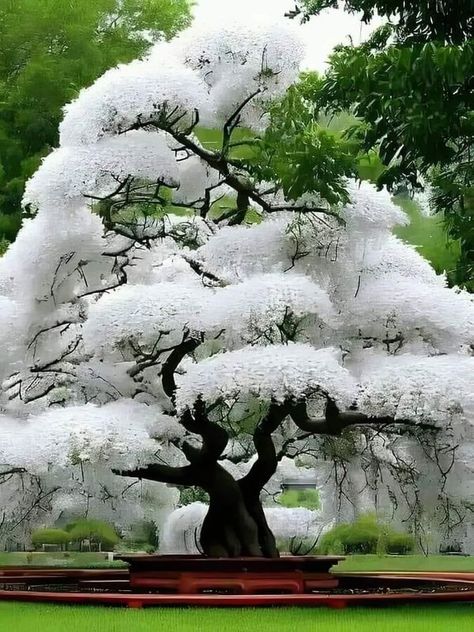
{"x":321,"y":34}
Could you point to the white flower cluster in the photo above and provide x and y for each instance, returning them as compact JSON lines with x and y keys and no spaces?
{"x":235,"y":61}
{"x":371,"y":207}
{"x":136,"y":92}
{"x":119,"y":434}
{"x":400,"y":259}
{"x":252,"y":308}
{"x":262,"y":302}
{"x":396,"y":305}
{"x":236,"y":252}
{"x":275,"y":372}
{"x":138,"y":312}
{"x":430,"y":389}
{"x":71,"y":174}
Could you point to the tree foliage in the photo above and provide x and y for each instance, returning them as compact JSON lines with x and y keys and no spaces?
{"x":95,"y":531}
{"x":48,"y":51}
{"x":222,"y":350}
{"x":50,"y":536}
{"x":300,"y":154}
{"x":417,"y":20}
{"x":411,"y":86}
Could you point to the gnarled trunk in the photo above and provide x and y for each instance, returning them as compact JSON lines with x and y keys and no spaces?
{"x":235,"y":524}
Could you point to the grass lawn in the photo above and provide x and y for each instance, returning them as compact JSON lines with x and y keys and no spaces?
{"x":19,"y":617}
{"x":352,"y":563}
{"x":407,"y":563}
{"x":66,"y":560}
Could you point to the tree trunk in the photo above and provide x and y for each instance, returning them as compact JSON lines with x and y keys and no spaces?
{"x":235,"y":524}
{"x":266,"y":538}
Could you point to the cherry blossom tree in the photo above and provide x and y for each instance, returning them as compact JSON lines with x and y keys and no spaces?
{"x":171,"y":319}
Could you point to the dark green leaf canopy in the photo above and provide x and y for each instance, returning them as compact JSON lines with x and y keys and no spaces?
{"x":411,"y":87}
{"x":49,"y":49}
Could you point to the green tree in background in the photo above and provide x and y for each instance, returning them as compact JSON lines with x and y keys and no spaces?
{"x":411,"y":86}
{"x":53,"y":536}
{"x":304,"y":148}
{"x":49,"y":49}
{"x":95,"y":532}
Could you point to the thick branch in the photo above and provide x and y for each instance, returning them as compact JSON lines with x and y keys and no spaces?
{"x":214,"y":437}
{"x":267,"y":460}
{"x":162,"y":474}
{"x":335,"y":421}
{"x":14,"y":470}
{"x":188,"y":345}
{"x":223,"y":163}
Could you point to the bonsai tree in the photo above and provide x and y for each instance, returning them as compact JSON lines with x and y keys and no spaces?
{"x":198,"y":315}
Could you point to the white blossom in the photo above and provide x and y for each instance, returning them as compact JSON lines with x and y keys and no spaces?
{"x":143,"y":313}
{"x":430,"y":389}
{"x":368,"y":206}
{"x":276,"y":372}
{"x":133,"y":93}
{"x":395,"y":305}
{"x":72,"y":173}
{"x":119,"y":433}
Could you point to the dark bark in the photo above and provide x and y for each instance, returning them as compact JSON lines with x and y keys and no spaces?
{"x":235,"y":525}
{"x":228,"y":530}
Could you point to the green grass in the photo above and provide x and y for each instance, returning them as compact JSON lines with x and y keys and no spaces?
{"x":407,"y":563}
{"x":64,"y":560}
{"x":31,"y":617}
{"x":352,"y":563}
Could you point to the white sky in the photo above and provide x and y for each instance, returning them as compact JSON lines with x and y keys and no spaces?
{"x":321,"y":34}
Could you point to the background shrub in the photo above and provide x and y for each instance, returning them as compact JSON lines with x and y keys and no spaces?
{"x":367,"y":535}
{"x":50,"y":536}
{"x":400,"y":543}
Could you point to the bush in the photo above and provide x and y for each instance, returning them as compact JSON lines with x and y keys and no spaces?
{"x":337,"y":548}
{"x":136,"y":546}
{"x":400,"y":543}
{"x":95,"y":531}
{"x":367,"y":536}
{"x":50,"y":536}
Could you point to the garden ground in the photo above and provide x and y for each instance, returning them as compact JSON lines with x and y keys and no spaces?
{"x":19,"y":617}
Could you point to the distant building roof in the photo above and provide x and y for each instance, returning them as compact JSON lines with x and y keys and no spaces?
{"x":293,"y":483}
